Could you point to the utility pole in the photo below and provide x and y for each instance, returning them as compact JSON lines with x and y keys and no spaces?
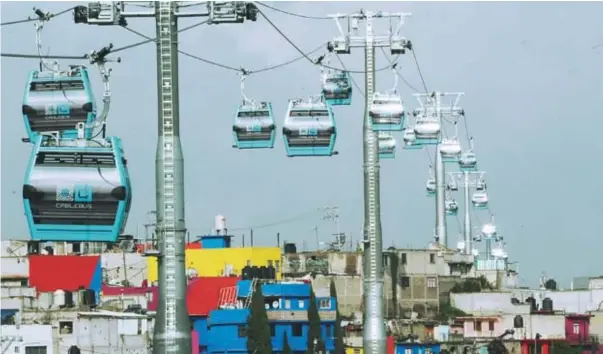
{"x":374,"y":327}
{"x":172,"y":333}
{"x":467,"y":183}
{"x":431,"y":103}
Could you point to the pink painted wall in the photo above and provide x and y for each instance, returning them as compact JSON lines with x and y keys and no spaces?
{"x":195,"y":338}
{"x":577,"y":328}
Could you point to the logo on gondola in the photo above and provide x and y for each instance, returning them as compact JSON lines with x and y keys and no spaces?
{"x":60,"y":110}
{"x":78,"y":197}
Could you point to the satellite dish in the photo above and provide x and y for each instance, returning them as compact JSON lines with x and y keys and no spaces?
{"x":275,"y":305}
{"x":267,"y":306}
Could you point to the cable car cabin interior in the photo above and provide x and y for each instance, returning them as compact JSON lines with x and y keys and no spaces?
{"x":309,"y":129}
{"x":468,"y":161}
{"x":431,"y":186}
{"x":57,"y":101}
{"x":387,"y":146}
{"x":428,"y":130}
{"x":337,"y":88}
{"x":386,"y":112}
{"x":452,"y":207}
{"x":450,"y":150}
{"x":410,"y":140}
{"x":480,"y":200}
{"x":254,"y":126}
{"x":77,"y":193}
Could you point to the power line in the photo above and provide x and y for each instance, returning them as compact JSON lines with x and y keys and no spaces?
{"x":304,"y":54}
{"x":420,"y":72}
{"x":29,"y":19}
{"x":224,"y":66}
{"x":397,"y":72}
{"x":292,"y":13}
{"x":279,"y":222}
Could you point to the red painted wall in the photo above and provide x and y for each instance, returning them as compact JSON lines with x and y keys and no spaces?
{"x":390,"y":345}
{"x":583,"y":322}
{"x":50,"y":273}
{"x":203,"y":293}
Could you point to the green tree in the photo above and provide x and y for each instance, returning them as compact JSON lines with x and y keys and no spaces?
{"x":286,"y":347}
{"x":314,"y":327}
{"x":338,"y":333}
{"x":258,"y":328}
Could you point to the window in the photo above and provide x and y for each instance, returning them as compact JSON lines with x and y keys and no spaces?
{"x":242,"y":331}
{"x":576,"y":328}
{"x":139,"y":326}
{"x":407,"y":351}
{"x":35,"y":350}
{"x":324,"y":304}
{"x":405,"y":281}
{"x":491,"y":326}
{"x":478,"y":326}
{"x":431,"y":282}
{"x":300,"y":304}
{"x":297,"y":330}
{"x":287,"y":304}
{"x":17,"y":349}
{"x":272,"y":330}
{"x":66,"y":327}
{"x":432,"y":258}
{"x":403,"y":258}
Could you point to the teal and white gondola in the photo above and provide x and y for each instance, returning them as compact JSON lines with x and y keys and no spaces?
{"x":56,"y":101}
{"x":387,"y":145}
{"x":428,"y":128}
{"x":309,"y":128}
{"x":337,"y":88}
{"x":410,"y":140}
{"x":254,"y":126}
{"x":386,"y":112}
{"x":480,"y":200}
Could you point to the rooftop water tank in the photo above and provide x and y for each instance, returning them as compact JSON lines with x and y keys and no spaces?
{"x":220,"y":223}
{"x":518,"y":322}
{"x":547,"y":304}
{"x":59,"y":298}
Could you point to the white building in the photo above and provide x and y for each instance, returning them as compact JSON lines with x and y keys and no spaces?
{"x":26,"y":339}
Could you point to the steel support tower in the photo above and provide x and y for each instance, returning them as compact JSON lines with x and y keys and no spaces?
{"x":374,"y":336}
{"x":467,"y":183}
{"x":172,"y":331}
{"x":432,"y":103}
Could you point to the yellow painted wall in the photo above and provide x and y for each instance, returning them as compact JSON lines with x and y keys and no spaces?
{"x":212,"y":262}
{"x":350,"y":350}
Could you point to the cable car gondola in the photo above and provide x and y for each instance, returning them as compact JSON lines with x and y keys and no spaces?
{"x":468,"y":161}
{"x":386,"y":112}
{"x":428,"y":129}
{"x":431,"y":186}
{"x":77,"y":190}
{"x":410,"y":140}
{"x":387,"y":145}
{"x":309,"y":128}
{"x":337,"y":88}
{"x":254,"y":126}
{"x":480,"y":200}
{"x":55,"y":101}
{"x":452,"y":207}
{"x":450,"y":150}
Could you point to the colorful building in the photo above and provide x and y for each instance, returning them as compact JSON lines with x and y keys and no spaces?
{"x":287,"y":306}
{"x":67,"y":273}
{"x":217,"y":259}
{"x":417,"y":348}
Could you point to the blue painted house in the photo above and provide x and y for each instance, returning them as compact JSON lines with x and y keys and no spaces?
{"x":287,"y":307}
{"x":417,"y":348}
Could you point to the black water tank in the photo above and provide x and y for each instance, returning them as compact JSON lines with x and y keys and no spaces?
{"x":271,"y":272}
{"x":89,"y":297}
{"x":74,"y":350}
{"x":547,"y":304}
{"x":255,"y":272}
{"x":290,"y":248}
{"x":246,"y":273}
{"x":33,"y":247}
{"x":532,"y":303}
{"x":69,"y":299}
{"x":515,"y":301}
{"x":518,"y":322}
{"x":263,"y":272}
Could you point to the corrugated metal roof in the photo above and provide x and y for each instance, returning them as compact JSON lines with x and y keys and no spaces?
{"x":50,"y":273}
{"x":203,"y":293}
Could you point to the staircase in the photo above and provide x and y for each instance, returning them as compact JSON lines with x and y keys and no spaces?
{"x":251,"y":289}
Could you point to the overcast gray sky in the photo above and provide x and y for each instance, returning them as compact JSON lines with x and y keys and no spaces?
{"x":533,"y":85}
